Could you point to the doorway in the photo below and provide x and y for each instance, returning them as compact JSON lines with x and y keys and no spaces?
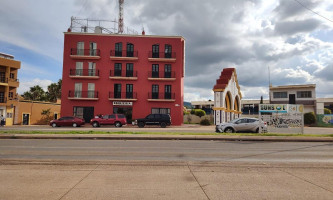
{"x":26,"y":119}
{"x":124,"y":110}
{"x":292,"y":99}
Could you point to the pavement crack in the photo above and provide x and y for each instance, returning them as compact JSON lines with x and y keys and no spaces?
{"x":78,"y":182}
{"x":303,"y":179}
{"x":198,"y":182}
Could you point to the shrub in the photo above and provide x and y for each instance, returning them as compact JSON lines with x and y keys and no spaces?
{"x":192,"y":112}
{"x":200,"y":113}
{"x":327,"y":111}
{"x":309,"y":118}
{"x":205,"y":122}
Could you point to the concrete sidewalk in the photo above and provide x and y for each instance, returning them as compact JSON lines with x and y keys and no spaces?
{"x":167,"y":137}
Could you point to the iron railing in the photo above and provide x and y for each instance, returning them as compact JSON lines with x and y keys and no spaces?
{"x":122,"y":95}
{"x":162,"y":54}
{"x":85,"y":52}
{"x":82,"y":94}
{"x":161,"y":74}
{"x":124,"y":53}
{"x":120,"y":73}
{"x":156,"y":95}
{"x":84,"y":72}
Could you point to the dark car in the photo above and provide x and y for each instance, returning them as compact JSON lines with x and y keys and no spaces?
{"x":162,"y":120}
{"x":67,"y":121}
{"x":118,"y":120}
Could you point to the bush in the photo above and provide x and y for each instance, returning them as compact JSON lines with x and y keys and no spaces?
{"x":205,"y":122}
{"x":192,"y":112}
{"x":309,"y":118}
{"x":327,"y":111}
{"x":200,"y":113}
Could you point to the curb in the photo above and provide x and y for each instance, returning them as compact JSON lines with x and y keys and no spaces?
{"x":160,"y":137}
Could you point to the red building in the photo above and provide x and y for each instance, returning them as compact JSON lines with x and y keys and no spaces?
{"x":132,"y":74}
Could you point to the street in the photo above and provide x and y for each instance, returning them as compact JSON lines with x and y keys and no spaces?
{"x":117,"y":169}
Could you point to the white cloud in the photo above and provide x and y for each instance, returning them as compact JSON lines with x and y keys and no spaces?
{"x":25,"y":85}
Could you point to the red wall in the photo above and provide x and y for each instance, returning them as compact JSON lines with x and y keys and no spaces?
{"x":142,"y":86}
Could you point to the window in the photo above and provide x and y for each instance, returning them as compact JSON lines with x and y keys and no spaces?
{"x":117,"y":69}
{"x":117,"y":91}
{"x":167,"y":92}
{"x":92,"y":69}
{"x":155,"y":71}
{"x":304,"y":94}
{"x":78,"y":112}
{"x":93,"y":49}
{"x":78,"y":90}
{"x":167,"y":71}
{"x":112,"y":116}
{"x":80,"y":49}
{"x":156,"y":51}
{"x":160,"y":111}
{"x":279,"y":95}
{"x":10,"y":95}
{"x":129,"y":70}
{"x":91,"y":90}
{"x":168,"y":50}
{"x":12,"y":76}
{"x":79,"y":69}
{"x":118,"y":49}
{"x":155,"y":92}
{"x":130,"y":50}
{"x":129,"y":91}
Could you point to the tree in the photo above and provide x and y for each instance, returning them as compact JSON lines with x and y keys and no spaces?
{"x":309,"y":118}
{"x":36,"y":93}
{"x":327,"y":111}
{"x":54,"y":91}
{"x":200,"y":113}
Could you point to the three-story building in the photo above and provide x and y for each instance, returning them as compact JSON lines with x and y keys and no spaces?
{"x":131,"y":74}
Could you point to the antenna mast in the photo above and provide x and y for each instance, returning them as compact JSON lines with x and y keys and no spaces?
{"x":121,"y":19}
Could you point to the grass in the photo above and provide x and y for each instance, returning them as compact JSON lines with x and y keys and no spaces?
{"x":161,"y":133}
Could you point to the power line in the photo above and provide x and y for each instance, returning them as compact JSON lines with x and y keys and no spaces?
{"x":313,"y":11}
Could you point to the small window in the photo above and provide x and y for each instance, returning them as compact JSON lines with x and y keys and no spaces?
{"x":112,"y":116}
{"x":121,"y":116}
{"x":279,"y":95}
{"x":304,"y":94}
{"x":105,"y":117}
{"x":251,"y":120}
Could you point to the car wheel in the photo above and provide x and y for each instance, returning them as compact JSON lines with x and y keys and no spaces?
{"x":95,"y":124}
{"x":141,"y":124}
{"x":117,"y":124}
{"x":163,"y":125}
{"x":74,"y":124}
{"x":228,"y":130}
{"x":54,"y":125}
{"x":257,"y":130}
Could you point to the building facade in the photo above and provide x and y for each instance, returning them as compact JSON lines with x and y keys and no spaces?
{"x":227,"y":97}
{"x":294,"y":94}
{"x":8,"y":86}
{"x":135,"y":75}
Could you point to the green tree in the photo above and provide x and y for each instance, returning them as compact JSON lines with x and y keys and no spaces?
{"x":36,"y":93}
{"x":327,"y":111}
{"x":309,"y":118}
{"x":54,"y":91}
{"x":200,"y":113}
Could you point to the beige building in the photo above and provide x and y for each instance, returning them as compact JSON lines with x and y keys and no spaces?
{"x":8,"y":86}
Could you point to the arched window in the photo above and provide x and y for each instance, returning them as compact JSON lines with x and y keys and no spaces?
{"x":118,"y":49}
{"x":130,"y":50}
{"x":156,"y":51}
{"x":167,"y":51}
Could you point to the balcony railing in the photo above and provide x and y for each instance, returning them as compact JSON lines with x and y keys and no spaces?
{"x":3,"y":80}
{"x":120,"y":73}
{"x":85,"y":52}
{"x":83,"y":94}
{"x":122,"y":95}
{"x":162,"y":54}
{"x":125,"y":53}
{"x":3,"y":100}
{"x":163,"y":96}
{"x":13,"y":80}
{"x":161,"y":74}
{"x":84,"y":72}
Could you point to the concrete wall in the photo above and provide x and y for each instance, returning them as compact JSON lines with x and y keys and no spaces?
{"x":196,"y":120}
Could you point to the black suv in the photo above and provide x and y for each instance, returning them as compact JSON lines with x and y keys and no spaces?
{"x":155,"y":119}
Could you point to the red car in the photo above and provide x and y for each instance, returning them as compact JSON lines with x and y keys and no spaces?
{"x":118,"y":120}
{"x":67,"y":121}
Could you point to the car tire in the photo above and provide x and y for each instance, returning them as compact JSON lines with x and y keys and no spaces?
{"x":74,"y":125}
{"x":117,"y":124}
{"x":163,"y":125}
{"x":228,"y":130}
{"x":257,"y":130}
{"x":95,"y":124}
{"x":141,"y":124}
{"x":54,"y":125}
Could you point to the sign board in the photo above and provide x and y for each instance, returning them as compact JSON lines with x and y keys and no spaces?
{"x":280,"y":108}
{"x":120,"y":103}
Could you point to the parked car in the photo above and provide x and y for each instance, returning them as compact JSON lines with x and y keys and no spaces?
{"x":67,"y":121}
{"x":162,"y":120}
{"x":118,"y":120}
{"x":241,"y":125}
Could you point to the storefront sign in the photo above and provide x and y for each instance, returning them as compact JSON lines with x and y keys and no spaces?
{"x":270,"y":108}
{"x":120,"y":103}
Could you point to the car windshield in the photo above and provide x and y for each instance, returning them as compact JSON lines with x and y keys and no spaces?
{"x":233,"y":121}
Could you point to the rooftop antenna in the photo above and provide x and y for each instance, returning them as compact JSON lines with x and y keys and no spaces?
{"x":121,"y":19}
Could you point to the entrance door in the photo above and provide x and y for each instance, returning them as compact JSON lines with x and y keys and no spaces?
{"x":292,"y":99}
{"x":88,"y":114}
{"x":26,"y":119}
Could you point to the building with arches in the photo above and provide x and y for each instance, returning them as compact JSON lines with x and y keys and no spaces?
{"x":227,"y":97}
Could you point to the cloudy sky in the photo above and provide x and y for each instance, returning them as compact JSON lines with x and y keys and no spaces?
{"x":285,"y":36}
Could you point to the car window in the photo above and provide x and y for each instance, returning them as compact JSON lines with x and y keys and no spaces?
{"x":112,"y":116}
{"x":251,"y":120}
{"x":121,"y":116}
{"x":61,"y":119}
{"x":150,"y":117}
{"x":105,"y":116}
{"x":241,"y":121}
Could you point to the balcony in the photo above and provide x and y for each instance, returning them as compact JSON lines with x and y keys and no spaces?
{"x":123,"y":96}
{"x":3,"y":101}
{"x":3,"y":81}
{"x":13,"y":82}
{"x":90,"y":54}
{"x":161,"y":76}
{"x":162,"y":57}
{"x":84,"y":73}
{"x":83,"y":95}
{"x":161,"y":97}
{"x":123,"y":75}
{"x":124,"y":55}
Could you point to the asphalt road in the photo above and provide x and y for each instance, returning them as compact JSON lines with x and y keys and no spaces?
{"x":112,"y":169}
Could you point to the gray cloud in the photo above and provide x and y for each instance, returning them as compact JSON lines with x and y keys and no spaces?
{"x":290,"y":8}
{"x":293,"y":27}
{"x":326,"y":73}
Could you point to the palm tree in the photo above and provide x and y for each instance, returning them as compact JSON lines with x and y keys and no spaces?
{"x":36,"y":93}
